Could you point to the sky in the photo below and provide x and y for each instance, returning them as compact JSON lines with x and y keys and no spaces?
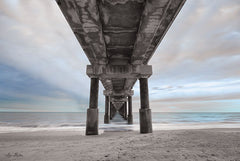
{"x":196,"y":68}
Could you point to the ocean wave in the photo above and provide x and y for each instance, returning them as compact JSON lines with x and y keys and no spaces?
{"x":80,"y":128}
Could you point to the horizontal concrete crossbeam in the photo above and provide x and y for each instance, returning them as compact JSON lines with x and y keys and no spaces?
{"x":121,"y":93}
{"x":119,"y":71}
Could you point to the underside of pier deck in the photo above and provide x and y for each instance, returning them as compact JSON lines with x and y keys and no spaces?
{"x":119,"y":37}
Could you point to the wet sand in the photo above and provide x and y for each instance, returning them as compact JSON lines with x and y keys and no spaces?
{"x":167,"y":145}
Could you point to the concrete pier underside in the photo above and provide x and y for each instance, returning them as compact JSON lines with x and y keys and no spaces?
{"x":119,"y":37}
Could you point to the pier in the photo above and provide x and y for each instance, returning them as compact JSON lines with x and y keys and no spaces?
{"x":119,"y":38}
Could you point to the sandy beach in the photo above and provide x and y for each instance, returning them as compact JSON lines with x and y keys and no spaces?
{"x":167,"y":145}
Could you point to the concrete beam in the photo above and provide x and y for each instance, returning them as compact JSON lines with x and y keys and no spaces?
{"x":129,"y":83}
{"x":113,"y":99}
{"x":107,"y":84}
{"x":118,"y":105}
{"x":121,"y":93}
{"x":119,"y":71}
{"x":156,"y":19}
{"x":83,"y":17}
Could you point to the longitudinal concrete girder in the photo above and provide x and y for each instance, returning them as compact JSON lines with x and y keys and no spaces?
{"x":157,"y":17}
{"x":83,"y":17}
{"x":119,"y":37}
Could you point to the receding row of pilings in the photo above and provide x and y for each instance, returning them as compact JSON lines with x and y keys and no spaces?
{"x":126,"y":110}
{"x":144,"y":111}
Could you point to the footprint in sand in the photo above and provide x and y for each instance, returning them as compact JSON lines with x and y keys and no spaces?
{"x":9,"y":155}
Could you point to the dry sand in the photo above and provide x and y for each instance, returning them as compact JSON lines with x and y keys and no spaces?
{"x":171,"y":145}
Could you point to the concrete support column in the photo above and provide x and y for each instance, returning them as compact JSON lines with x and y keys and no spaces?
{"x":125,"y":110}
{"x":112,"y":111}
{"x":106,"y":116}
{"x":145,"y":111}
{"x":130,"y":117}
{"x":92,"y":112}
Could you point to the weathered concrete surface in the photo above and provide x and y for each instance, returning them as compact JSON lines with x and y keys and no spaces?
{"x":83,"y":17}
{"x":112,"y":111}
{"x":144,"y":98}
{"x":157,"y":17}
{"x":107,"y":116}
{"x":130,"y":116}
{"x":93,"y":101}
{"x":92,"y":112}
{"x":145,"y":121}
{"x":119,"y":33}
{"x":119,"y":37}
{"x":125,"y":111}
{"x":145,"y":112}
{"x":119,"y":71}
{"x":92,"y":122}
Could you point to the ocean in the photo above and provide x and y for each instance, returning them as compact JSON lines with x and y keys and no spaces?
{"x":61,"y":121}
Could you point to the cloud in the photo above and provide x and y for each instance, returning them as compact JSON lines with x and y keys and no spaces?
{"x":19,"y":91}
{"x":202,"y":36}
{"x":42,"y":45}
{"x":196,"y":66}
{"x":41,"y":61}
{"x":197,"y":106}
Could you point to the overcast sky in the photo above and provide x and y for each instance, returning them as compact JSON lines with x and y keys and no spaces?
{"x":196,"y":68}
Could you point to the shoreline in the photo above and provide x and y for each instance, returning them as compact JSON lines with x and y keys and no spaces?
{"x":119,"y":127}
